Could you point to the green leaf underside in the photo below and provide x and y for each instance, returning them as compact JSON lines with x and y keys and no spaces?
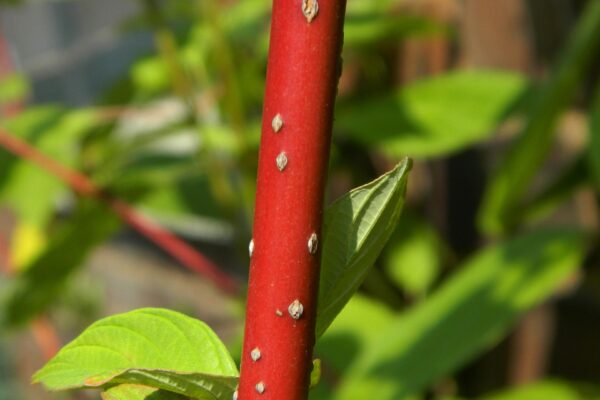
{"x":151,"y":347}
{"x":434,"y":116}
{"x":356,"y":228}
{"x":467,"y":315}
{"x":139,"y":392}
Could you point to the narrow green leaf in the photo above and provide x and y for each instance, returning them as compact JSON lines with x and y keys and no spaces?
{"x":356,"y":228}
{"x":151,"y":347}
{"x":548,"y":390}
{"x":470,"y":313}
{"x":138,"y":392}
{"x":505,"y":191}
{"x":434,"y":116}
{"x":556,"y":193}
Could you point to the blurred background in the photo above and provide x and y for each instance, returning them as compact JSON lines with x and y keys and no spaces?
{"x":129,"y":136}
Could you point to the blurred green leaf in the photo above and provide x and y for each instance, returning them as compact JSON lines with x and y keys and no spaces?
{"x":37,"y":288}
{"x":434,"y":116}
{"x":358,"y":323}
{"x":556,"y":192}
{"x":138,"y":392}
{"x":27,"y":188}
{"x":513,"y":177}
{"x":14,"y":88}
{"x":593,"y":153}
{"x":548,"y":390}
{"x":152,"y":347}
{"x":414,"y":258}
{"x":362,"y":29}
{"x":355,"y":230}
{"x":470,"y":313}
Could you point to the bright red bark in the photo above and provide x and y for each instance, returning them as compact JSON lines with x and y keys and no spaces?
{"x":302,"y":75}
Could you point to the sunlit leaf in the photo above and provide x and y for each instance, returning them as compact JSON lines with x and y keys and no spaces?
{"x":151,"y":347}
{"x":467,"y":315}
{"x":435,"y":116}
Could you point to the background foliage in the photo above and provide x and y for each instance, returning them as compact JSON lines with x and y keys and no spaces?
{"x":496,"y":243}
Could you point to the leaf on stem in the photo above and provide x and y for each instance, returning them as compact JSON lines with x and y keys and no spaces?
{"x":356,"y":228}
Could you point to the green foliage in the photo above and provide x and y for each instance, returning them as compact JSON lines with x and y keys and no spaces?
{"x":150,"y":347}
{"x":512,"y":179}
{"x":468,"y":314}
{"x":549,"y":390}
{"x":33,"y":291}
{"x":593,"y":153}
{"x":13,"y":88}
{"x":135,"y":391}
{"x":356,"y":228}
{"x":434,"y":116}
{"x":413,"y":259}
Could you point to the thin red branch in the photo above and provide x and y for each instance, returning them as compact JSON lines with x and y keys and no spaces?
{"x":177,"y":248}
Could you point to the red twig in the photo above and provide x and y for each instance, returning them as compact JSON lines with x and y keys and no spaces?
{"x":176,"y":247}
{"x":303,"y":68}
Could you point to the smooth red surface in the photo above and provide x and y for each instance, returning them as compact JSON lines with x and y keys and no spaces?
{"x":302,"y":76}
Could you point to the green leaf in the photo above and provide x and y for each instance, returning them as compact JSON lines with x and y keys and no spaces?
{"x":548,"y":391}
{"x":34,"y":291}
{"x":138,"y":392}
{"x":593,"y":154}
{"x":30,"y":190}
{"x":505,"y":192}
{"x":358,"y":323}
{"x":571,"y":179}
{"x":467,"y":315}
{"x":13,"y":88}
{"x":414,"y":257}
{"x":356,"y":228}
{"x":434,"y":116}
{"x":151,"y":347}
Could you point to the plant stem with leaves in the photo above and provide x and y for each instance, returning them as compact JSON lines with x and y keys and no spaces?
{"x":302,"y":75}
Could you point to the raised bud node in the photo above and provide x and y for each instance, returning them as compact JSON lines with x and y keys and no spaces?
{"x":255,"y":354}
{"x":260,"y":387}
{"x":281,"y":161}
{"x":278,"y":313}
{"x":313,"y":244}
{"x":310,"y":9}
{"x":251,"y":247}
{"x":296,"y":309}
{"x":277,"y":123}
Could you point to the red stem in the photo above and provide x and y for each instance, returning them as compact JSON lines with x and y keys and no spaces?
{"x":176,"y":247}
{"x":303,"y":70}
